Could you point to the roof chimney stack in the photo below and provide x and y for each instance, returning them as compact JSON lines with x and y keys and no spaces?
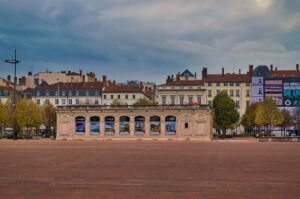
{"x":204,"y":73}
{"x":8,"y":78}
{"x":271,"y":67}
{"x":177,"y":77}
{"x":297,"y":67}
{"x":250,"y":70}
{"x":104,"y":79}
{"x":240,"y":72}
{"x":223,"y":71}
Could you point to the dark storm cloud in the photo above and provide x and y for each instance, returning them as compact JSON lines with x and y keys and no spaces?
{"x":134,"y":39}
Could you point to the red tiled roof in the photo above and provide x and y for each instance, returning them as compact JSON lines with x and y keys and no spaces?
{"x":73,"y":85}
{"x":286,"y":73}
{"x":229,"y":78}
{"x":185,"y":83}
{"x":120,"y":89}
{"x":6,"y":88}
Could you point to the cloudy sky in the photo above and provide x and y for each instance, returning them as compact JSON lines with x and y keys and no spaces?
{"x":148,"y":39}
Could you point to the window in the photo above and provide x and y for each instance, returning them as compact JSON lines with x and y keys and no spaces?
{"x":126,"y":96}
{"x":96,"y":101}
{"x":218,"y":92}
{"x":96,"y":93}
{"x":210,"y":103}
{"x":63,"y":93}
{"x":209,"y":93}
{"x":87,"y":93}
{"x":47,"y":93}
{"x":119,"y":96}
{"x":225,"y":84}
{"x":56,"y":93}
{"x":237,"y":84}
{"x":63,"y":101}
{"x":104,"y":96}
{"x":231,"y":93}
{"x":181,"y":100}
{"x":133,"y":96}
{"x":230,"y":84}
{"x":260,"y":91}
{"x":199,"y":99}
{"x":163,"y":99}
{"x":77,"y":93}
{"x":77,"y":101}
{"x":56,"y":101}
{"x":70,"y":93}
{"x":237,"y":93}
{"x":172,"y":100}
{"x":186,"y":125}
{"x":248,"y":93}
{"x":87,"y":101}
{"x":247,"y":84}
{"x":70,"y":101}
{"x":218,"y":84}
{"x":190,"y":99}
{"x":38,"y":93}
{"x":209,"y":84}
{"x":260,"y":81}
{"x":237,"y":104}
{"x":111,"y":96}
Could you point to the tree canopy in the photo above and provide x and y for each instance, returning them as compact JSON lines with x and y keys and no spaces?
{"x":225,"y":112}
{"x":48,"y":112}
{"x":144,"y":102}
{"x":268,"y":114}
{"x":4,"y":117}
{"x":248,"y":119}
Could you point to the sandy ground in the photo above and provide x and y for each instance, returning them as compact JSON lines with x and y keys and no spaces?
{"x":149,"y":169}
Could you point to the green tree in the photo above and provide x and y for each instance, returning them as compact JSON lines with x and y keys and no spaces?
{"x":225,"y":113}
{"x":248,"y":119}
{"x":268,"y":114}
{"x":144,"y":102}
{"x":27,"y":115}
{"x":48,"y":112}
{"x":3,"y":115}
{"x":287,"y":119}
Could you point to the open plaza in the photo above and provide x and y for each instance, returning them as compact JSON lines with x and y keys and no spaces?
{"x":149,"y":169}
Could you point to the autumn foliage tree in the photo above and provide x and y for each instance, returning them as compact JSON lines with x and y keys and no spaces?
{"x":48,"y":112}
{"x":27,"y":115}
{"x":3,"y":115}
{"x":225,"y":112}
{"x":248,"y":119}
{"x":287,"y":119}
{"x":144,"y":102}
{"x":268,"y":115}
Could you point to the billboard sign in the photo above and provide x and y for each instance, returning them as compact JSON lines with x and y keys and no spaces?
{"x":274,"y":89}
{"x":291,"y":93}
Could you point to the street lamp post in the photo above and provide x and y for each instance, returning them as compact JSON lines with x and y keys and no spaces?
{"x":15,"y":62}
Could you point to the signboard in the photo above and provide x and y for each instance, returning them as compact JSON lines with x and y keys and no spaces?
{"x":80,"y":125}
{"x":274,"y":88}
{"x":124,"y":125}
{"x":139,"y":125}
{"x":291,"y":93}
{"x":109,"y":125}
{"x":94,"y":125}
{"x":170,"y":125}
{"x":154,"y":125}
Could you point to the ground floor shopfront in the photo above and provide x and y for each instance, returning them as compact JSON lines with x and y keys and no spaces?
{"x":121,"y":123}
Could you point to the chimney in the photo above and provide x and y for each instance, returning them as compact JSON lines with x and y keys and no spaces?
{"x":195,"y":74}
{"x":172,"y":78}
{"x":240,"y":72}
{"x":271,"y":67}
{"x":8,"y":78}
{"x":141,"y":85}
{"x":297,"y":67}
{"x":104,"y":79}
{"x":177,"y":77}
{"x":204,"y":73}
{"x":29,"y":73}
{"x":223,"y":72}
{"x":276,"y":69}
{"x":80,"y":72}
{"x":250,"y":70}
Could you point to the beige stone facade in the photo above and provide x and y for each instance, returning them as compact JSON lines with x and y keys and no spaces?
{"x":191,"y":123}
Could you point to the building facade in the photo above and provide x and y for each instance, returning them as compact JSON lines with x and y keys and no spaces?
{"x":182,"y":90}
{"x":134,"y":123}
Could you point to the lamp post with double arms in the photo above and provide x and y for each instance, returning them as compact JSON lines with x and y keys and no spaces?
{"x":15,"y":62}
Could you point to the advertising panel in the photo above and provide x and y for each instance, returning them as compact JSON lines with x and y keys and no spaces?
{"x":291,"y":93}
{"x":155,"y":125}
{"x":94,"y":125}
{"x":273,"y":88}
{"x":80,"y":125}
{"x":124,"y":125}
{"x":139,"y":125}
{"x":109,"y":125}
{"x":170,"y":125}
